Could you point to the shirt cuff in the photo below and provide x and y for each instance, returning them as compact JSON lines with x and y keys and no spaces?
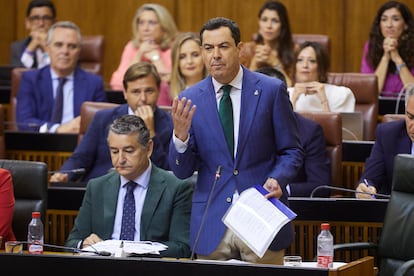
{"x":180,"y":146}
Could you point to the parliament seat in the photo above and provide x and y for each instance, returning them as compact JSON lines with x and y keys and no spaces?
{"x":331,"y":124}
{"x":365,"y":89}
{"x":88,"y":110}
{"x":322,"y":39}
{"x":30,"y":183}
{"x":92,"y":53}
{"x":16,"y":76}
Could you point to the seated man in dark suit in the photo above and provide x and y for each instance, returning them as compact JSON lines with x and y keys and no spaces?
{"x":316,"y":168}
{"x":49,"y":99}
{"x":160,"y":202}
{"x":141,"y":91}
{"x":30,"y":52}
{"x":391,"y":138}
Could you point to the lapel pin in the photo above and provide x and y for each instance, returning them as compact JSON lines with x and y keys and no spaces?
{"x":256,"y":92}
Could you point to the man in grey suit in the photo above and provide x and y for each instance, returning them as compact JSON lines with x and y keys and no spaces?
{"x":30,"y":52}
{"x":162,"y":202}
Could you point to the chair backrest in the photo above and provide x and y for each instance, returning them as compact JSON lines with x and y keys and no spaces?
{"x":88,"y":110}
{"x":365,"y":89}
{"x":30,"y":182}
{"x":92,"y":53}
{"x":396,"y":243}
{"x":392,"y":117}
{"x":331,"y":124}
{"x":16,"y":76}
{"x":322,"y":39}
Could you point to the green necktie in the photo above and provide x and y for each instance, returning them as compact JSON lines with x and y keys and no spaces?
{"x":226,"y":117}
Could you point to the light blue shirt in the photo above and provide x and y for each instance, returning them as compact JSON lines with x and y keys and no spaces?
{"x":67,"y":112}
{"x":140,"y":192}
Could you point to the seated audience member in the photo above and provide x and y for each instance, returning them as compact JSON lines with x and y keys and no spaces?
{"x":141,"y":91}
{"x":274,"y":44}
{"x":161,"y":202}
{"x":310,"y":91}
{"x":153,"y":31}
{"x":389,"y":51}
{"x":30,"y":52}
{"x":187,"y":63}
{"x":49,"y":99}
{"x":316,"y":168}
{"x":392,"y":138}
{"x":6,"y":207}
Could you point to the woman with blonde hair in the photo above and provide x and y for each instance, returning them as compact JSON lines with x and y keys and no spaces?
{"x":153,"y":31}
{"x":187,"y":63}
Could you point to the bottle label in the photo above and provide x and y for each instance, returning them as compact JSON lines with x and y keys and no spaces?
{"x":35,"y":248}
{"x":325,"y":261}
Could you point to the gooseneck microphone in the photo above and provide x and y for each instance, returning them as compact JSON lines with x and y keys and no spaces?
{"x":210,"y":195}
{"x":75,"y":171}
{"x":71,"y":249}
{"x":346,"y":190}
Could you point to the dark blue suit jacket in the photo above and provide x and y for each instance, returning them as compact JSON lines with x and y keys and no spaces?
{"x":93,"y":154}
{"x":316,"y":169}
{"x":35,"y":96}
{"x":268,"y":146}
{"x":391,"y":139}
{"x":17,"y":49}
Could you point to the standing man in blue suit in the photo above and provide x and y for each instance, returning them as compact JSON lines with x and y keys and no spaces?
{"x":390,"y":139}
{"x":266,"y":144}
{"x":38,"y":88}
{"x":141,"y":91}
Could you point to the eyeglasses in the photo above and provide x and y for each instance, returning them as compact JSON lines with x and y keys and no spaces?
{"x":37,"y":18}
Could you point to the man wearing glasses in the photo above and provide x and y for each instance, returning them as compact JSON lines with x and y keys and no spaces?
{"x":30,"y":52}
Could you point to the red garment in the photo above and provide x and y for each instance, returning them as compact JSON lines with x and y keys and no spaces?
{"x":6,"y":206}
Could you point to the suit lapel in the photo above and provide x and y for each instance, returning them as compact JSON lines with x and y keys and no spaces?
{"x":156,"y":187}
{"x":110,"y":199}
{"x":78,"y":87}
{"x":46,"y":83}
{"x":250,"y":97}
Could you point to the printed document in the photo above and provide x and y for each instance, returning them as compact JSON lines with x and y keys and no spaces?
{"x":256,"y":220}
{"x":129,"y":247}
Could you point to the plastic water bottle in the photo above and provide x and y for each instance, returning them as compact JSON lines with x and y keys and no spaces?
{"x":325,"y":251}
{"x":35,"y":235}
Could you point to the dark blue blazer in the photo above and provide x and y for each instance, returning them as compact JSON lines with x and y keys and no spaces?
{"x":268,"y":146}
{"x":35,"y":96}
{"x":316,"y":169}
{"x":17,"y":49}
{"x":390,"y":139}
{"x":93,"y":154}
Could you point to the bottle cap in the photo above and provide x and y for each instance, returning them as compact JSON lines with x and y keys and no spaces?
{"x":325,"y":226}
{"x":35,"y":214}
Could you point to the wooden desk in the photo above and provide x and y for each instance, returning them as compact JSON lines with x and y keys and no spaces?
{"x":97,"y":265}
{"x":53,"y":149}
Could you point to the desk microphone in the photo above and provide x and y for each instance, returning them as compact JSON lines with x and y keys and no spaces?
{"x":210,"y":195}
{"x":75,"y":171}
{"x":346,"y":190}
{"x":71,"y":249}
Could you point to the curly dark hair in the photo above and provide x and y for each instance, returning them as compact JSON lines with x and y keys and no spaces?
{"x":285,"y":46}
{"x":405,"y":43}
